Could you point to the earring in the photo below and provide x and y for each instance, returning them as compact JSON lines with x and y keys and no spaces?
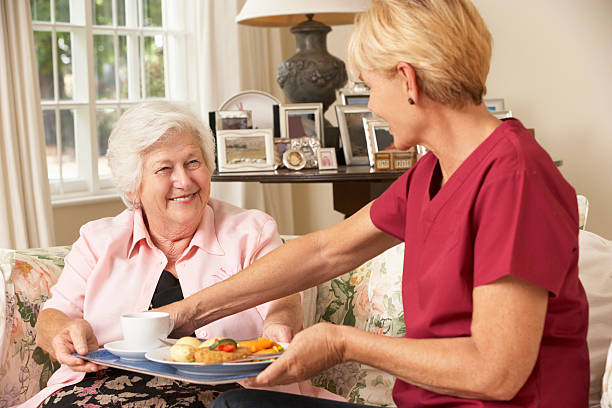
{"x":136,"y":206}
{"x":411,"y":101}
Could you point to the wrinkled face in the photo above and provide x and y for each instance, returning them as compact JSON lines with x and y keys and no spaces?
{"x":175,"y":183}
{"x":389,"y":100}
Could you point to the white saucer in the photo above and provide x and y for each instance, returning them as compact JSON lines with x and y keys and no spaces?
{"x":120,"y":349}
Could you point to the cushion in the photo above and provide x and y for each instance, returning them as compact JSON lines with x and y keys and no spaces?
{"x":369,"y":298}
{"x":606,"y":397}
{"x":27,"y":276}
{"x":595,"y":270}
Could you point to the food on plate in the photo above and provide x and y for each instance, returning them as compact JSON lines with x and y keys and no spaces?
{"x":261,"y":346}
{"x":182,"y":353}
{"x":220,"y":349}
{"x":192,"y":341}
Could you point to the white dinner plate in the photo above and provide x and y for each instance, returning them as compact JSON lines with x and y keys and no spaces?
{"x":258,"y":102}
{"x":162,"y":356}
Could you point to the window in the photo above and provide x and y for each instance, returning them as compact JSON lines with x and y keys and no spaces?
{"x":96,"y":58}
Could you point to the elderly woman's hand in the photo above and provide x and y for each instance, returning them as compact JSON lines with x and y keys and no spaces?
{"x":278,"y":332}
{"x":312,"y":350}
{"x":76,"y":336}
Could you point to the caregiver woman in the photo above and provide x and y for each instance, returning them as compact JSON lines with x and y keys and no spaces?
{"x":495,"y":314}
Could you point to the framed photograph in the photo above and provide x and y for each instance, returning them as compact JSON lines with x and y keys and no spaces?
{"x":326,"y":157}
{"x":280,"y":146}
{"x":245,"y":150}
{"x":378,"y":137}
{"x":353,"y":96}
{"x":495,"y":104}
{"x":238,"y":119}
{"x":502,"y":114}
{"x":352,"y":133}
{"x":294,"y":159}
{"x":299,"y":120}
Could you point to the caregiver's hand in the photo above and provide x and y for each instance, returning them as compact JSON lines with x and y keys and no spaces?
{"x":311,"y":351}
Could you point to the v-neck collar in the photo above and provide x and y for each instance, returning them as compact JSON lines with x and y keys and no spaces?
{"x":465,"y":169}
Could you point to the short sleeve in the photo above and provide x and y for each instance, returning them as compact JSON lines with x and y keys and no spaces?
{"x":527,"y":228}
{"x":388,"y":212}
{"x":68,"y":293}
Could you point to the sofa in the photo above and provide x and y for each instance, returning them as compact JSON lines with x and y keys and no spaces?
{"x":368,"y":297}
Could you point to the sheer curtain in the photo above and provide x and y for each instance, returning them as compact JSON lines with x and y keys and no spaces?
{"x":26,"y":218}
{"x":233,"y":58}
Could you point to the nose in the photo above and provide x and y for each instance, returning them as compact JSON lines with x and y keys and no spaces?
{"x":181,"y":178}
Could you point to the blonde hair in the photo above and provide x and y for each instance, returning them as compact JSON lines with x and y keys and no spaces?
{"x":445,"y":41}
{"x":138,"y":129}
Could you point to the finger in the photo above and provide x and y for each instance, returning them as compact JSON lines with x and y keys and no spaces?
{"x":79,"y":340}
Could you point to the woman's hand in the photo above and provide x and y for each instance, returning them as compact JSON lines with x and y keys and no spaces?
{"x":312,"y":350}
{"x":278,"y":332}
{"x":76,"y":336}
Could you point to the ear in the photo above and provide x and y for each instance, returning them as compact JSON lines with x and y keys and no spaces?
{"x":408,"y":76}
{"x":134,"y":197}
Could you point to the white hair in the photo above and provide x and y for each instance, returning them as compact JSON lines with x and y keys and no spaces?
{"x":138,"y":129}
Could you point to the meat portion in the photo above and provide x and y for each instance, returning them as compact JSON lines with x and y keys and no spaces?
{"x":206,"y":356}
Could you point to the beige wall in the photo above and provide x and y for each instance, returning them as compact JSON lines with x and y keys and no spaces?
{"x":69,"y":218}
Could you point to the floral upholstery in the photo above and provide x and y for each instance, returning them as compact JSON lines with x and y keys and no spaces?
{"x":370,"y":299}
{"x":27,"y":277}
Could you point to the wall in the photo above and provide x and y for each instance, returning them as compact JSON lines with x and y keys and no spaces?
{"x":69,"y":218}
{"x":552,"y":63}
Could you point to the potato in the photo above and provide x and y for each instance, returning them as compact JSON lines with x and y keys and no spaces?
{"x":192,"y":341}
{"x":182,"y":353}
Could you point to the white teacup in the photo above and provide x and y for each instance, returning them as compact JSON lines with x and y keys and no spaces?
{"x":143,"y":331}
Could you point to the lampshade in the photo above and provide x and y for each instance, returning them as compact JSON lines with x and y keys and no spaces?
{"x":287,"y":13}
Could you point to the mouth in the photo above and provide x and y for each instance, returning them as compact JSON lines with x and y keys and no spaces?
{"x":184,"y":198}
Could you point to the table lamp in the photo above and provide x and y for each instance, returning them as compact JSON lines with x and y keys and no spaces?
{"x":312,"y":74}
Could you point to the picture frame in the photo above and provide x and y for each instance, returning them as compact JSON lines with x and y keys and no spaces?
{"x":280,"y":146}
{"x":378,"y":137}
{"x":352,"y":96}
{"x":294,"y":159}
{"x":495,"y":104}
{"x":326,"y":158}
{"x":503,"y":114}
{"x":299,"y":120}
{"x":245,"y":150}
{"x":233,"y":119}
{"x":352,"y":133}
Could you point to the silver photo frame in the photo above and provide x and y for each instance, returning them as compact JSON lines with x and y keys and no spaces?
{"x":378,"y":137}
{"x":352,"y":133}
{"x":299,"y":120}
{"x":245,"y":150}
{"x":233,"y":119}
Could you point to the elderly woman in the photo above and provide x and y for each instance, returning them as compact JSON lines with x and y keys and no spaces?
{"x":495,"y":314}
{"x":172,"y":241}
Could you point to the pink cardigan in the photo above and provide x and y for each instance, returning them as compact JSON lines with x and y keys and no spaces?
{"x":113,"y":268}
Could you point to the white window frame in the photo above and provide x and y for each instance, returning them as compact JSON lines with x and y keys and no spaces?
{"x":176,"y":32}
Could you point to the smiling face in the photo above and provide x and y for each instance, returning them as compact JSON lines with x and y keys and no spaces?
{"x":389,"y":100}
{"x":175,"y":184}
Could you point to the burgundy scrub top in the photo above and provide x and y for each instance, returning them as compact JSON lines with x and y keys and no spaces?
{"x":506,"y":210}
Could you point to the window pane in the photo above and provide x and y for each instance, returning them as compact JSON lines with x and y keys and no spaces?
{"x":44,"y":60}
{"x":51,"y":144}
{"x":121,"y":12}
{"x":41,"y":10}
{"x":104,"y":56}
{"x":64,"y":65}
{"x":123,"y":68}
{"x":62,"y":11}
{"x":105,"y":119}
{"x":69,"y":164}
{"x":152,"y":12}
{"x":154,"y":66}
{"x":103,"y":12}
